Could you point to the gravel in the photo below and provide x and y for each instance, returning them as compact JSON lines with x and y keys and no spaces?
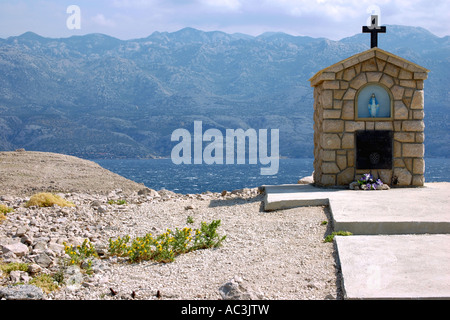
{"x":278,"y":255}
{"x":267,"y":255}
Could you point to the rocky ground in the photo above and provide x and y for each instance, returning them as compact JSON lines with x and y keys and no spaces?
{"x":266,"y":255}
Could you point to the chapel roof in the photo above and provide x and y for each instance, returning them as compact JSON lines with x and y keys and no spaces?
{"x":329,"y":72}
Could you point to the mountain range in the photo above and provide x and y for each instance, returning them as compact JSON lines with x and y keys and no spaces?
{"x":95,"y":96}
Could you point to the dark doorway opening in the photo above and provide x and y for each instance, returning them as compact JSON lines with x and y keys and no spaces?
{"x":374,"y":149}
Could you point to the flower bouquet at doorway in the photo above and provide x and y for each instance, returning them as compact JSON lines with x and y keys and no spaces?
{"x":367,"y":182}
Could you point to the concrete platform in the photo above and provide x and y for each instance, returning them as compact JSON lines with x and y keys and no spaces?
{"x":395,"y":266}
{"x":401,"y":243}
{"x":394,"y":211}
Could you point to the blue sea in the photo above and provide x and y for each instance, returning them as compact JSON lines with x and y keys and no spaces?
{"x":163,"y":174}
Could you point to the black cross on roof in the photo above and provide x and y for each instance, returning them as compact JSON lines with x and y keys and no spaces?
{"x":374,"y":29}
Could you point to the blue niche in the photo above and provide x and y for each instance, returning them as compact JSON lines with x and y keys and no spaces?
{"x":373,"y":101}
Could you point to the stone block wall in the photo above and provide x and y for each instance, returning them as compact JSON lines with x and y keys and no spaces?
{"x":336,"y":121}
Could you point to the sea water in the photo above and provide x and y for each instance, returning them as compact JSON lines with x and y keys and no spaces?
{"x":164,"y":174}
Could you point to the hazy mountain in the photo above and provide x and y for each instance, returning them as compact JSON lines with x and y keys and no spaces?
{"x":98,"y":96}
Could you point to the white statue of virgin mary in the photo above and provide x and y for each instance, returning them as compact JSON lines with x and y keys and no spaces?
{"x":373,"y":106}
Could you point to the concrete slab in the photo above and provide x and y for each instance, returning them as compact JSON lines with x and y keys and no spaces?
{"x":395,"y":266}
{"x":400,"y":247}
{"x":394,"y":211}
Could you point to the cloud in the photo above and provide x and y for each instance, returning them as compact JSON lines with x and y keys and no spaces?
{"x":222,"y":4}
{"x":133,"y":3}
{"x":333,"y":19}
{"x":335,"y":10}
{"x":126,"y":19}
{"x":102,"y":21}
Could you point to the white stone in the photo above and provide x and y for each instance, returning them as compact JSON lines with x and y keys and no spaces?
{"x":236,"y":289}
{"x":19,"y":249}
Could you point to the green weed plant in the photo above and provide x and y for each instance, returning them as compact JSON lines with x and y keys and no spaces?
{"x":166,"y":246}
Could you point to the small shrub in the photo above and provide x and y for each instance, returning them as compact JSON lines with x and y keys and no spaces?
{"x":330,"y":237}
{"x":79,"y":254}
{"x":46,"y":282}
{"x":58,"y":276}
{"x":119,"y":247}
{"x":208,"y":237}
{"x":118,"y":202}
{"x":47,"y":200}
{"x":189,"y":220}
{"x":165,"y":247}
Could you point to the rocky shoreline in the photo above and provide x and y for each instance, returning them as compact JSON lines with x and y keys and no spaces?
{"x":276,"y":255}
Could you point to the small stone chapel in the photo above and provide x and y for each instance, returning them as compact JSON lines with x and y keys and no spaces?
{"x":369,"y":118}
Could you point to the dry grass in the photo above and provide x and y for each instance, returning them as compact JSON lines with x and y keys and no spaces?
{"x":46,"y":282}
{"x":48,"y":200}
{"x":3,"y":211}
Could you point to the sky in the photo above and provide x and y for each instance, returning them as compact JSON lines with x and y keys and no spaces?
{"x":132,"y":19}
